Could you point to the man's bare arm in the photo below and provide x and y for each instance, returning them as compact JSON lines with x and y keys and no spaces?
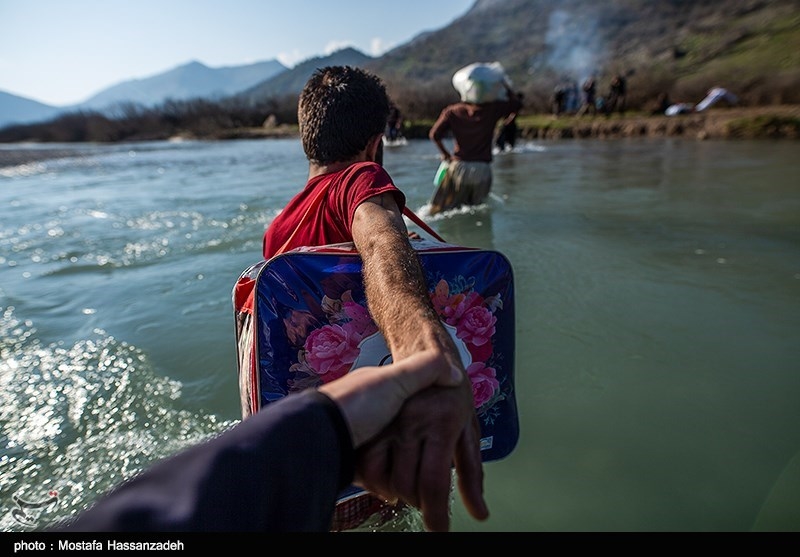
{"x":435,"y":429}
{"x":434,"y":136}
{"x":396,"y":290}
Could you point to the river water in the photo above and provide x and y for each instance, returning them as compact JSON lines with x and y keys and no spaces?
{"x":657,"y":301}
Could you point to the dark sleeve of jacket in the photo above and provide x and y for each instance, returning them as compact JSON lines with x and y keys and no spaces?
{"x":278,"y":470}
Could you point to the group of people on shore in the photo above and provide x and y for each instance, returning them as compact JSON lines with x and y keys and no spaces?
{"x":566,"y":95}
{"x":616,"y":99}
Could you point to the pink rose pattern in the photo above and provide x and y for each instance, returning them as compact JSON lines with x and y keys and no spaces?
{"x":474,"y":320}
{"x":484,"y":383}
{"x":329,"y":351}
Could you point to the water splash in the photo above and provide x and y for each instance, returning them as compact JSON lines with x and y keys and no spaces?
{"x":77,"y":420}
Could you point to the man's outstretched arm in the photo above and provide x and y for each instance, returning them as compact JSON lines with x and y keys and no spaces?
{"x":432,"y":432}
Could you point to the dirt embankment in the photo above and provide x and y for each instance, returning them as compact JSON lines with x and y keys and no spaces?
{"x":779,"y":122}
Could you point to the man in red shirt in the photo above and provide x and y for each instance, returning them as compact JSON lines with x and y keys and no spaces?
{"x":342,"y":115}
{"x":469,"y":173}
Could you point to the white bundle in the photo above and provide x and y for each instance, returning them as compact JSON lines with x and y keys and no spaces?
{"x":482,"y":82}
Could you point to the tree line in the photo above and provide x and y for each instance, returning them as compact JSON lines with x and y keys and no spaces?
{"x":195,"y":118}
{"x":419,"y":103}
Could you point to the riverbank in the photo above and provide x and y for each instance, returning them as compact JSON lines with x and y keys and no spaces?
{"x":762,"y":122}
{"x":758,"y":122}
{"x":768,"y":122}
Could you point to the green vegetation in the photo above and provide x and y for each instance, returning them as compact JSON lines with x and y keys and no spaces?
{"x":765,"y":126}
{"x":680,"y":47}
{"x":764,"y":61}
{"x":198,"y":118}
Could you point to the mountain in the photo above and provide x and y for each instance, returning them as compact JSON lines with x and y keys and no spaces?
{"x":190,"y":81}
{"x":15,"y":109}
{"x":682,"y":47}
{"x":291,"y":82}
{"x":679,"y":47}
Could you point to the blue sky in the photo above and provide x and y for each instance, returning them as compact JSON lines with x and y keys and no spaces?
{"x":62,"y":52}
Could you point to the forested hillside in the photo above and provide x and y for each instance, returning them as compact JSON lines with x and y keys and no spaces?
{"x":682,"y":47}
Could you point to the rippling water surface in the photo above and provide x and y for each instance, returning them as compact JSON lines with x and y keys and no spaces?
{"x":658,"y":312}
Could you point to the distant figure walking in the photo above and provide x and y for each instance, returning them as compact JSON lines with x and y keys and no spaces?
{"x":472,"y":123}
{"x":572,"y":98}
{"x":558,"y":102}
{"x":394,"y":123}
{"x":589,"y":96}
{"x":617,"y":94}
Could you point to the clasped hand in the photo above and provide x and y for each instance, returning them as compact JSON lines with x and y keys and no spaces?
{"x":428,"y":433}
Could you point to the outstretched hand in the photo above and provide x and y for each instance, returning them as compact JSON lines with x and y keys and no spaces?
{"x":412,"y":460}
{"x":370,"y":397}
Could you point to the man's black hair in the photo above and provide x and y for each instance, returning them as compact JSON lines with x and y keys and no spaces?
{"x":340,"y":109}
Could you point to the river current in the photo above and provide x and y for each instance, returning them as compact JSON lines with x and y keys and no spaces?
{"x":657,"y":320}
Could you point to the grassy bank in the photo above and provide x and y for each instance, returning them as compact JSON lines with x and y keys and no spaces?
{"x":767,"y":122}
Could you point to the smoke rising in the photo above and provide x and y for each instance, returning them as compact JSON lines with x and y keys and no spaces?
{"x":575,"y":49}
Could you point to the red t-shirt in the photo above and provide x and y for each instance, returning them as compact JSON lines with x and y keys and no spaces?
{"x":332,"y":220}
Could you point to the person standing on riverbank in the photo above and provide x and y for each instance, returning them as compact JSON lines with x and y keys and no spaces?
{"x":349,"y":197}
{"x":558,"y":100}
{"x":617,"y":95}
{"x":589,"y":96}
{"x":472,"y":125}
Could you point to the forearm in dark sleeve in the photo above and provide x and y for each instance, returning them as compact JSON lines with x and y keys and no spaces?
{"x":279,"y":470}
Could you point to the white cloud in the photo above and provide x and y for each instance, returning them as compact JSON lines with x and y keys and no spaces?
{"x":377,"y":46}
{"x":289,"y":59}
{"x":333,"y":46}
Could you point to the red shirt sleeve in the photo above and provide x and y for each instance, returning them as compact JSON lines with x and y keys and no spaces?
{"x":331,"y":221}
